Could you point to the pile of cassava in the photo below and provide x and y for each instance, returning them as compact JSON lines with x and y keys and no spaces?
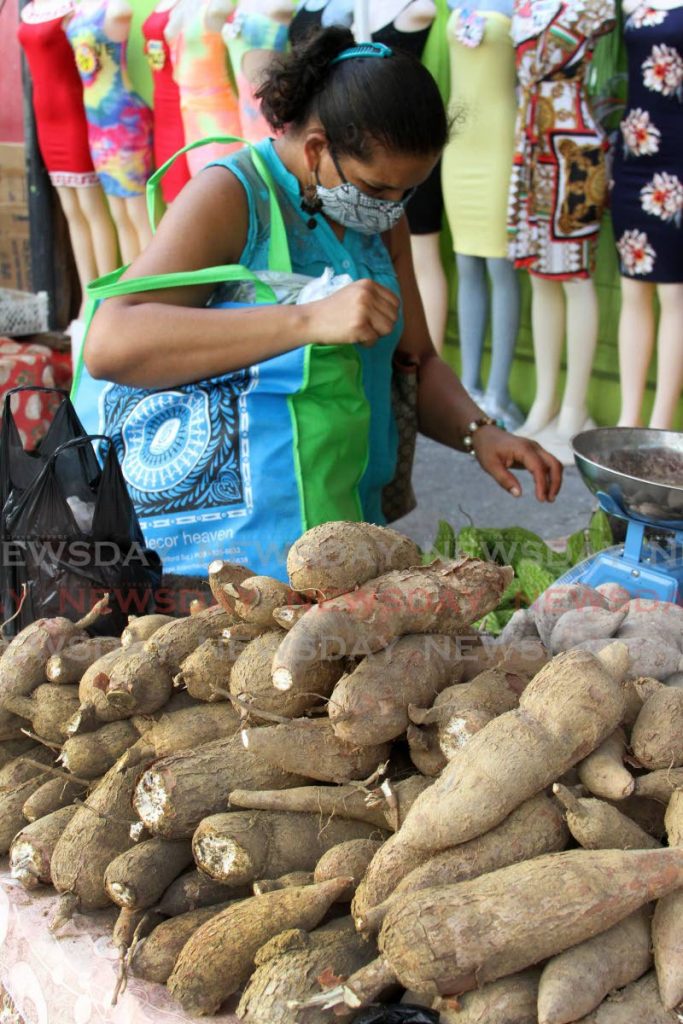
{"x":314,"y":797}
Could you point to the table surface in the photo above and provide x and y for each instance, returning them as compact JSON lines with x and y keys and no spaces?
{"x":72,"y":978}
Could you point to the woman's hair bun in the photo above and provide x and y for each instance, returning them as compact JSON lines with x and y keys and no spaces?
{"x":294,"y":78}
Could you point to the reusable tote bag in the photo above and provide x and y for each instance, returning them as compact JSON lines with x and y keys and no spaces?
{"x":240,"y":465}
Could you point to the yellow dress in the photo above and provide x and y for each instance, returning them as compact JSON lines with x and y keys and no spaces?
{"x":477,"y":162}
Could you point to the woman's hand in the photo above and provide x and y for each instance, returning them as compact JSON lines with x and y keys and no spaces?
{"x":498,"y":452}
{"x":362,"y":312}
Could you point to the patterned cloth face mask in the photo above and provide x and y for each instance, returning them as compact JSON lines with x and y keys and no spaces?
{"x":347,"y":205}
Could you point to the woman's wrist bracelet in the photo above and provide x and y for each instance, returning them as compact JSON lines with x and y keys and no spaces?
{"x":472,"y":427}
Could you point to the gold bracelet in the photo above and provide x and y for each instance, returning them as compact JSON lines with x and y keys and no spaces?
{"x":468,"y":437}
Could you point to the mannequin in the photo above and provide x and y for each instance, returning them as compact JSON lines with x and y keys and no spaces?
{"x":257,"y":32}
{"x":119,"y":121}
{"x":403,"y":24}
{"x":207,"y":98}
{"x":647,"y":226}
{"x":557,"y":197}
{"x":63,"y":137}
{"x":169,"y":134}
{"x":476,"y":176}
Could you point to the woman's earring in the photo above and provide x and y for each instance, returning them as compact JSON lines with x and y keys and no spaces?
{"x":311,"y":203}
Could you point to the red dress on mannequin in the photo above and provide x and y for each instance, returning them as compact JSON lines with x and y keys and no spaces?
{"x":169,"y":135}
{"x":57,"y":99}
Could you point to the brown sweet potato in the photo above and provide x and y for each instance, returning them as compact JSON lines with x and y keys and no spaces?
{"x":603,"y":772}
{"x":154,"y":959}
{"x":657,"y":736}
{"x":18,"y":780}
{"x":194,"y":890}
{"x":137,"y":878}
{"x":370,"y":705}
{"x":245,"y":632}
{"x":257,"y":597}
{"x":534,"y":828}
{"x":206,"y":671}
{"x":51,"y":796}
{"x":22,"y":666}
{"x":575,"y":982}
{"x":139,"y":685}
{"x":338,"y":557}
{"x":48,"y":709}
{"x":175,"y":641}
{"x":92,"y":754}
{"x":67,"y":667}
{"x":636,"y":692}
{"x":449,"y":939}
{"x":638,"y":1002}
{"x":94,"y":710}
{"x":175,"y":794}
{"x":659,"y":785}
{"x":649,"y":656}
{"x":495,"y":690}
{"x":32,"y":848}
{"x":510,"y":1000}
{"x":582,"y":624}
{"x":186,"y":729}
{"x":348,"y":859}
{"x":251,"y":681}
{"x":425,"y":750}
{"x":289,"y":966}
{"x":222,"y":573}
{"x":133,"y":925}
{"x":289,"y":615}
{"x":597,"y":825}
{"x":141,"y":628}
{"x":219,"y":957}
{"x":667,"y":926}
{"x":292,"y":878}
{"x":243,"y":846}
{"x":309,"y":747}
{"x":661,"y":619}
{"x":442,"y":598}
{"x":559,"y":599}
{"x":568,"y":709}
{"x":525,"y":656}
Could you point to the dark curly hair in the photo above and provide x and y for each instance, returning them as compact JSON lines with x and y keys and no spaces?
{"x":392,"y":101}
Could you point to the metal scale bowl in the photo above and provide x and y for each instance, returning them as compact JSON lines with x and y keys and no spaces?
{"x":636,"y":475}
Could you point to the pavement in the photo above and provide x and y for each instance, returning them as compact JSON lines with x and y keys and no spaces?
{"x":452,"y":486}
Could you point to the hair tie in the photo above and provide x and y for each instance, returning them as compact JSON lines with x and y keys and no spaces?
{"x":364,"y":50}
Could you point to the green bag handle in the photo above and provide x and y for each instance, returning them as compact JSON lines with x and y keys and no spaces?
{"x":111,"y":285}
{"x":278,"y":249}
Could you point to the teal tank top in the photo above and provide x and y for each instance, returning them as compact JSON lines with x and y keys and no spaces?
{"x":360,"y":256}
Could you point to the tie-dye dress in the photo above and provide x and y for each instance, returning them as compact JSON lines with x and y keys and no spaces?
{"x":246,"y":32}
{"x":119,"y":121}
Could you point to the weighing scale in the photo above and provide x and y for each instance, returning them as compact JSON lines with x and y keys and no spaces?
{"x":636,"y":475}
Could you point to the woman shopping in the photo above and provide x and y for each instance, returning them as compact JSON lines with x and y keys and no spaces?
{"x":358,"y":129}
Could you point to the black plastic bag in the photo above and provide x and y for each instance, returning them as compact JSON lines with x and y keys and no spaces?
{"x":397,"y":1013}
{"x":71,"y":535}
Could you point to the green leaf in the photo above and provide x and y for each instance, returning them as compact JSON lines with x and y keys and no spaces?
{"x":600,"y":531}
{"x":445,"y":541}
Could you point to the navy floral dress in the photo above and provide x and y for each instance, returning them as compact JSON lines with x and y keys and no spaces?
{"x":647,"y":198}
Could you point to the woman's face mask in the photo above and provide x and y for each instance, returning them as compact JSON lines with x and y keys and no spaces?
{"x":348,"y":205}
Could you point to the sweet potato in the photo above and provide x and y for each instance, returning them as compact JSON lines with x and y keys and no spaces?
{"x":242,"y":846}
{"x":575,"y":982}
{"x":251,"y":681}
{"x":615,"y":595}
{"x":350,"y":858}
{"x":661,"y":619}
{"x":11,"y":809}
{"x":510,"y":1000}
{"x":257,"y":597}
{"x":338,"y":801}
{"x":94,"y":710}
{"x":289,"y":966}
{"x":657,"y":736}
{"x":137,"y":878}
{"x":667,"y":926}
{"x":495,"y":690}
{"x":603,"y":772}
{"x":580,"y":624}
{"x":649,"y":656}
{"x":289,"y":615}
{"x":141,"y":628}
{"x":526,"y":656}
{"x":194,"y":890}
{"x":425,"y":750}
{"x":207,"y":670}
{"x":309,"y":747}
{"x":638,"y":1002}
{"x":154,"y":959}
{"x":175,"y":641}
{"x":182,"y":730}
{"x":51,"y":796}
{"x":597,"y":825}
{"x":636,"y":692}
{"x":441,"y":598}
{"x":32,"y":848}
{"x":91,"y":755}
{"x":557,"y":600}
{"x":370,"y":705}
{"x":219,"y":957}
{"x":534,"y":828}
{"x":222,"y":573}
{"x":567,"y":710}
{"x":449,"y":939}
{"x":245,"y":632}
{"x":139,"y":685}
{"x":48,"y":709}
{"x":338,"y":557}
{"x":132,"y":926}
{"x":368,"y":985}
{"x":659,"y":785}
{"x":22,"y":666}
{"x":292,"y":878}
{"x":175,"y":794}
{"x":95,"y":835}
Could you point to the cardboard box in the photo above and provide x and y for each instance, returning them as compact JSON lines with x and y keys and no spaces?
{"x":13,"y":179}
{"x":15,"y":237}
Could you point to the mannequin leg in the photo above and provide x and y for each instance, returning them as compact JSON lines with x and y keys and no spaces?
{"x":505,"y":314}
{"x":582,"y":339}
{"x":472,"y":315}
{"x":547,"y":325}
{"x":432,"y":283}
{"x":669,"y":356}
{"x":127,"y":235}
{"x":137,"y":215}
{"x":636,"y":344}
{"x":93,"y":204}
{"x":80,"y":236}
